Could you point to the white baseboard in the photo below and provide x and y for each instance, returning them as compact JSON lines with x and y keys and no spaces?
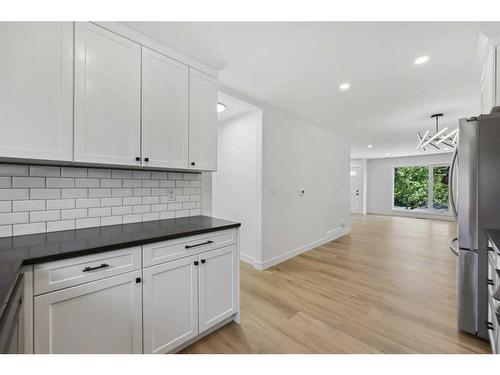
{"x":331,"y":235}
{"x":247,"y":259}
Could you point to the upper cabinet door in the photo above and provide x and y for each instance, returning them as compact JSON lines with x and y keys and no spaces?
{"x":36,"y":90}
{"x":164,"y":111}
{"x":107,"y":96}
{"x":202,"y":121}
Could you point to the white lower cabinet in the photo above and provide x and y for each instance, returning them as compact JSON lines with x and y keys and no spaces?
{"x":103,"y":316}
{"x":170,"y":293}
{"x":218,"y":286}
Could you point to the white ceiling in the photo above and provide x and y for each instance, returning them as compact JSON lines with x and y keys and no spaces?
{"x":298,"y":66}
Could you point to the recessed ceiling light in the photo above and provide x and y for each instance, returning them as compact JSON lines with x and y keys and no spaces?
{"x":344,"y":86}
{"x":421,"y":60}
{"x":221,"y":107}
{"x":370,"y":146}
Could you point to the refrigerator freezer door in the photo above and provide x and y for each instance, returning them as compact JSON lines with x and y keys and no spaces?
{"x":467,"y":185}
{"x":467,"y":291}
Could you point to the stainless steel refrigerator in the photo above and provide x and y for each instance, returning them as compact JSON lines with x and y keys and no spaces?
{"x":475,"y":197}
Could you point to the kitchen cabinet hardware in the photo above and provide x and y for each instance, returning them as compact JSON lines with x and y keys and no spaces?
{"x":87,"y":269}
{"x":199,"y":244}
{"x":489,"y":282}
{"x":489,"y":326}
{"x":196,"y":263}
{"x":137,"y":158}
{"x":146,"y":159}
{"x":138,"y":280}
{"x":203,"y":261}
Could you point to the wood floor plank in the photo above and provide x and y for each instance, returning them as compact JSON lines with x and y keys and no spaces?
{"x":388,"y":287}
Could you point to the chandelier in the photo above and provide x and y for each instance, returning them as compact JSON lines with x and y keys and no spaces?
{"x":439,"y":138}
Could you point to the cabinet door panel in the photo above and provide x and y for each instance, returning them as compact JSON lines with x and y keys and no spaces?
{"x":218,"y":286}
{"x":103,"y":316}
{"x":164,"y":111}
{"x":170,"y":305}
{"x":36,"y":90}
{"x":202,"y":121}
{"x":107,"y":96}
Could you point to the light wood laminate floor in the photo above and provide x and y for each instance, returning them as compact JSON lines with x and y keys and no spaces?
{"x":388,"y":287}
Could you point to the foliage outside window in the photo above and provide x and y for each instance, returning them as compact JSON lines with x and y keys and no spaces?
{"x":421,"y":187}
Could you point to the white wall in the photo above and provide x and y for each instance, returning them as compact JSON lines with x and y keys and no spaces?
{"x":297,"y":154}
{"x":237,"y":184}
{"x":380,"y":181}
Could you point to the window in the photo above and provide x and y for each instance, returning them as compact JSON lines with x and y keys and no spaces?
{"x":421,"y":188}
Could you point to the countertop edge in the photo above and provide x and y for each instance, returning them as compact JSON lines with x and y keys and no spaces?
{"x":121,"y":245}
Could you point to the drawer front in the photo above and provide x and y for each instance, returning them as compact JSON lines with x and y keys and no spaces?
{"x":159,"y":252}
{"x":70,"y":272}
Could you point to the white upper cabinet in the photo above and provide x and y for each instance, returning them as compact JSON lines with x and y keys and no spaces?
{"x":164,"y":111}
{"x":202,"y":121}
{"x":36,"y":90}
{"x":107,"y":97}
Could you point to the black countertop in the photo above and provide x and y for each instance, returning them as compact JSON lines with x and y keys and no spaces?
{"x":494,"y":236}
{"x":45,"y":247}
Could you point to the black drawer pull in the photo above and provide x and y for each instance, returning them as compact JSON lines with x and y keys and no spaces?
{"x":203,"y":261}
{"x":87,"y":269}
{"x":199,"y":244}
{"x":489,"y":282}
{"x":489,"y":325}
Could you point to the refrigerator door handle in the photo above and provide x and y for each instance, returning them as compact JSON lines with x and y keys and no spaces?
{"x":451,"y":186}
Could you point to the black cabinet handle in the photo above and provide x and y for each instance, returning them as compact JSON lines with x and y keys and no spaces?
{"x":489,"y":282}
{"x":146,"y":159}
{"x":138,"y":280}
{"x":195,"y":262}
{"x":489,"y":325}
{"x":193,"y":163}
{"x":199,"y":244}
{"x":137,"y":158}
{"x":489,"y":249}
{"x":87,"y":269}
{"x":203,"y":261}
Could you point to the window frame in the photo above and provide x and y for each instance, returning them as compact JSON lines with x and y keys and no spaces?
{"x":430,"y":194}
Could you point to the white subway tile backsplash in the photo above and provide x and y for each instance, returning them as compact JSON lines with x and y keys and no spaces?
{"x":150,"y":200}
{"x":132,"y":183}
{"x":33,"y":205}
{"x":74,"y":193}
{"x":111,"y":220}
{"x":76,"y":213}
{"x":87,"y":223}
{"x":10,"y":194}
{"x":132,"y":200}
{"x":141,"y":175}
{"x":5,"y":230}
{"x":44,"y":193}
{"x":121,"y":210}
{"x":14,"y":218}
{"x":167,"y":183}
{"x":36,"y":216}
{"x":22,"y":229}
{"x":35,"y":198}
{"x":150,"y":183}
{"x":28,"y":182}
{"x":13,"y":170}
{"x":5,"y":206}
{"x":132,"y":218}
{"x":151,"y":216}
{"x":111,"y":182}
{"x":108,"y":202}
{"x":5,"y":182}
{"x":60,"y":182}
{"x":53,"y":226}
{"x":101,"y":211}
{"x":60,"y":204}
{"x":44,"y":171}
{"x":99,"y":173}
{"x":99,"y":193}
{"x":73,"y":172}
{"x":119,"y":173}
{"x":88,"y":202}
{"x":121,"y":192}
{"x":141,"y":209}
